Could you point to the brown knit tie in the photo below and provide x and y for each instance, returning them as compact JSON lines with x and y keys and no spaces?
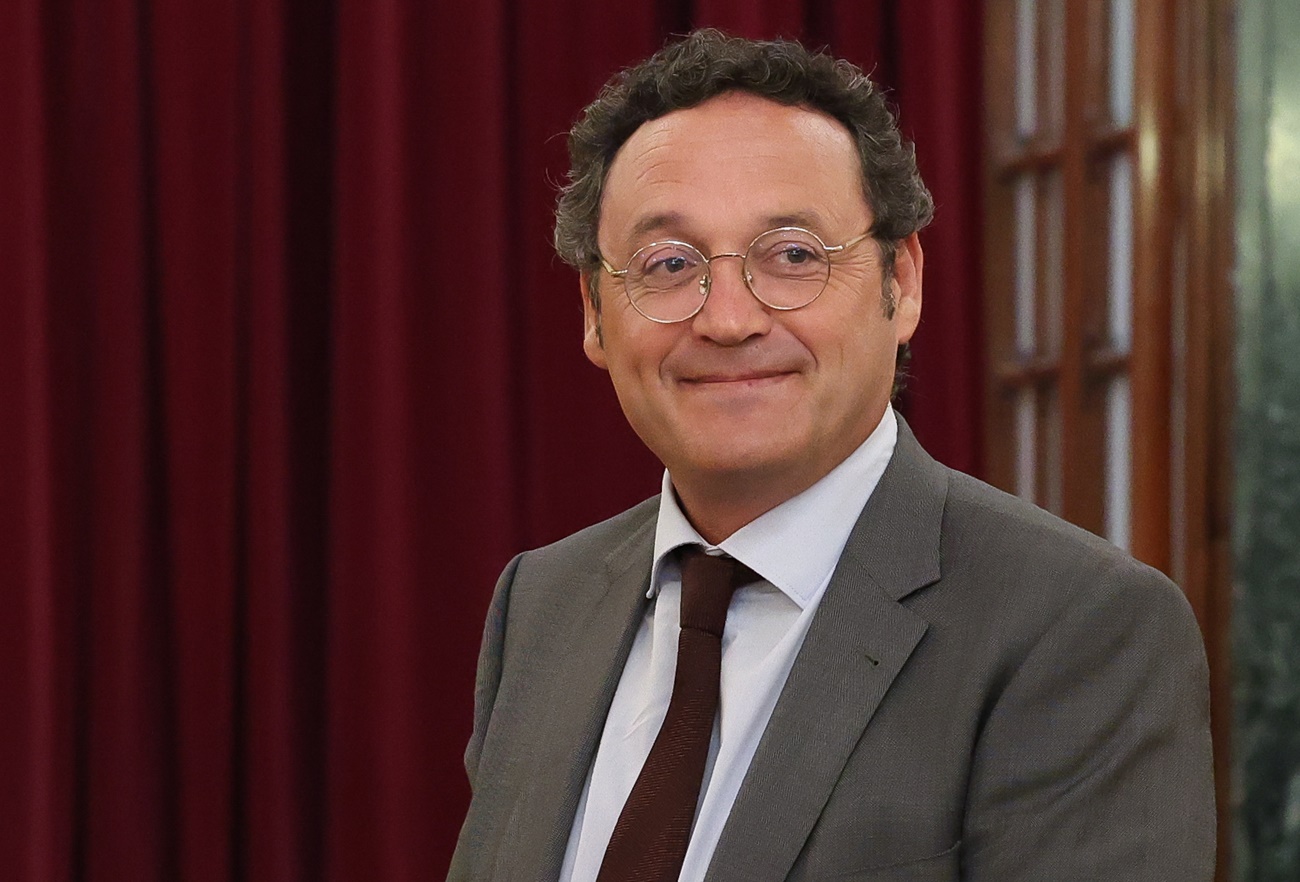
{"x":649,"y":841}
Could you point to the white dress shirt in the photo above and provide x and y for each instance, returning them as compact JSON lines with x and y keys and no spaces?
{"x":794,"y":547}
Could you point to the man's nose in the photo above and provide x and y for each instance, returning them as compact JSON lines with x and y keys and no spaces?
{"x":731,"y":313}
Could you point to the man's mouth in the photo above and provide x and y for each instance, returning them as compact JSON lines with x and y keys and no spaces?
{"x":739,"y":378}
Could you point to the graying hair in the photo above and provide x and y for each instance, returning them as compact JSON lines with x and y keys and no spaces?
{"x":708,"y":63}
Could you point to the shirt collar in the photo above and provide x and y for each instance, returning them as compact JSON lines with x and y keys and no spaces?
{"x":796,"y":545}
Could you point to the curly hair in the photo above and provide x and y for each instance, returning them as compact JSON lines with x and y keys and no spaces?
{"x":708,"y":63}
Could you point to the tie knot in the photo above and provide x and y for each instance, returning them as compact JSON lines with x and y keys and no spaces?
{"x":707,"y":585}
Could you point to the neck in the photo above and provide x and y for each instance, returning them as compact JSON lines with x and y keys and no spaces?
{"x":718,"y":502}
{"x":717,"y":512}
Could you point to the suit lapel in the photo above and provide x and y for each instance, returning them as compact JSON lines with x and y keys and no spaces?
{"x":581,"y":692}
{"x":859,"y":640}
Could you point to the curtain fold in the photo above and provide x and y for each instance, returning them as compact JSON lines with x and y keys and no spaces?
{"x":288,"y":371}
{"x":937,"y":60}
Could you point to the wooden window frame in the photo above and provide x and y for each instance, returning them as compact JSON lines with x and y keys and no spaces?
{"x":1180,"y":363}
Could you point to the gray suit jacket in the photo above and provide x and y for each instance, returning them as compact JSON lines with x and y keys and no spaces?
{"x":985,"y":693}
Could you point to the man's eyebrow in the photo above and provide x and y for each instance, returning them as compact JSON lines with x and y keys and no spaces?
{"x":652,"y":222}
{"x":672,"y":220}
{"x":808,"y":219}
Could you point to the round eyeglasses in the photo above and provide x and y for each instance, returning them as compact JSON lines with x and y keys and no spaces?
{"x":786,"y":268}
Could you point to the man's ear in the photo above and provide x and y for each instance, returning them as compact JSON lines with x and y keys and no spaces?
{"x":908,"y":264}
{"x":593,"y":340}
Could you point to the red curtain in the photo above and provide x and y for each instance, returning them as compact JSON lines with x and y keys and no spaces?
{"x":288,"y":372}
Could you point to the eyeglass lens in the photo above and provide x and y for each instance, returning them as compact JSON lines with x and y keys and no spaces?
{"x":785,"y":269}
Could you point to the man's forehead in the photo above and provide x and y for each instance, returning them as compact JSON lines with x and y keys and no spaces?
{"x":739,"y":111}
{"x":653,"y":222}
{"x":736,"y":154}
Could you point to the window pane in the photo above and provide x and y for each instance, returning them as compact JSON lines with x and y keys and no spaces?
{"x":1052,"y":444}
{"x":1026,"y":453}
{"x":1122,"y":42}
{"x":1118,"y":457}
{"x":1053,"y":278}
{"x":1026,"y":281}
{"x":1179,"y":525}
{"x":1052,"y":49}
{"x":1120,"y":262}
{"x":1026,"y":67}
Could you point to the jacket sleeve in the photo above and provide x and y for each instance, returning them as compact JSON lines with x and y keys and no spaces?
{"x":488,"y":677}
{"x":1094,"y":761}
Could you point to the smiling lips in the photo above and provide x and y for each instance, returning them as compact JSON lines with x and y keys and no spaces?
{"x":730,"y":378}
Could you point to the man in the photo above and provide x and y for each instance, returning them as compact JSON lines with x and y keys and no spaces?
{"x":920,"y":677}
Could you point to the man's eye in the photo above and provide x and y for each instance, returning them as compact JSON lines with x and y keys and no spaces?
{"x":797,"y":254}
{"x":669,"y":264}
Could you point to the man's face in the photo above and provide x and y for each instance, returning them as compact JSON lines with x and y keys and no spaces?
{"x":742,"y":397}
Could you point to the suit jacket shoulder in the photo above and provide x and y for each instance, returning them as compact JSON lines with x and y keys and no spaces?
{"x":984,"y":693}
{"x":987,"y":693}
{"x":556,"y":639}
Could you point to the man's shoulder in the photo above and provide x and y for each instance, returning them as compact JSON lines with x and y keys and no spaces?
{"x":591,"y":544}
{"x":1015,"y":580}
{"x":559,"y":582}
{"x":1027,"y":549}
{"x":981,"y":510}
{"x":978,"y":522}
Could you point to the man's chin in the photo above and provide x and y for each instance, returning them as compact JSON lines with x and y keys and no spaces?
{"x":731,"y":460}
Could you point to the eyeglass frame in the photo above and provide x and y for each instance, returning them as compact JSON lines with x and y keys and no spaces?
{"x":749,"y":281}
